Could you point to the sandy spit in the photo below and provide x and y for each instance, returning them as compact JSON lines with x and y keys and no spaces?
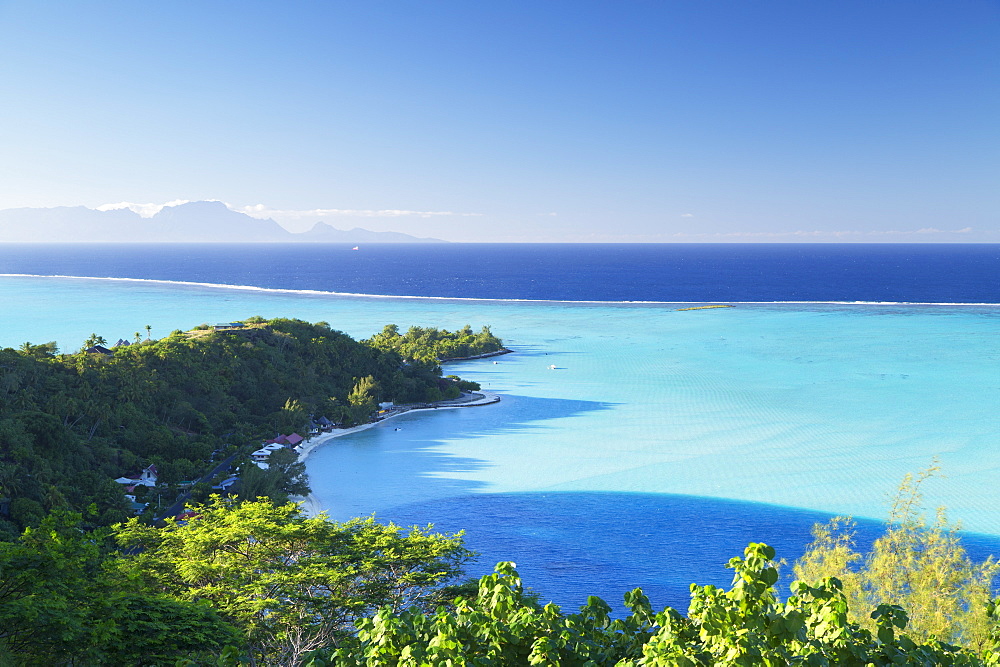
{"x":310,"y":505}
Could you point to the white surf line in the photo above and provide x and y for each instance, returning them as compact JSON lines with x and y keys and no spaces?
{"x":363,"y":295}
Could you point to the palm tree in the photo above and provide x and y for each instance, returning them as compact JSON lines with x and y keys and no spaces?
{"x":10,"y":480}
{"x":149,"y":330}
{"x":93,"y":340}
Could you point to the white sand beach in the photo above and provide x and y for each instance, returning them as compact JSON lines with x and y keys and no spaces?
{"x":310,"y":506}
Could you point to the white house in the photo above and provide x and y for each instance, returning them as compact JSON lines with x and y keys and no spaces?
{"x":260,"y":456}
{"x":145,"y":478}
{"x":225,"y":484}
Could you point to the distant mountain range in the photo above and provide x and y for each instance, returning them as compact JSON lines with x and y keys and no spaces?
{"x":194,"y":222}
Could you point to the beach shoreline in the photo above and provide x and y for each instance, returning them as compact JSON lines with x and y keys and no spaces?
{"x":310,"y":505}
{"x":484,"y":355}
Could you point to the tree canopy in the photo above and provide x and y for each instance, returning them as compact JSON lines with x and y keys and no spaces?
{"x":293,"y":584}
{"x":62,"y":602}
{"x":71,"y":423}
{"x":919,"y":565}
{"x":745,"y":626}
{"x":435,"y":345}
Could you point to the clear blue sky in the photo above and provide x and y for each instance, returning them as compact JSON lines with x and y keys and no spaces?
{"x":548,"y":120}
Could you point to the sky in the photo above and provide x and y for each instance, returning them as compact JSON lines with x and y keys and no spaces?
{"x":543,"y":121}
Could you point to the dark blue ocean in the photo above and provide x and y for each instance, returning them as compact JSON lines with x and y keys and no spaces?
{"x":910,"y":273}
{"x":662,"y":441}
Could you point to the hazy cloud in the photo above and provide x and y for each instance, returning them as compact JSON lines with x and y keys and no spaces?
{"x":262,"y":211}
{"x":796,"y":236}
{"x":820,"y":234}
{"x":931,"y":230}
{"x":687,"y":215}
{"x":144,"y":210}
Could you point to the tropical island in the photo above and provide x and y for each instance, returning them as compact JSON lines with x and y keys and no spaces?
{"x":231,"y":573}
{"x":113,"y":428}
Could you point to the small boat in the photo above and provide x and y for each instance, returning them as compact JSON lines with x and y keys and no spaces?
{"x":552,"y":367}
{"x":354,"y":248}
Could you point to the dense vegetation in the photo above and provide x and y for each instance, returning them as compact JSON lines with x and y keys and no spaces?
{"x":434,"y":345}
{"x":290,"y":584}
{"x":919,"y":566}
{"x":914,"y":599}
{"x":254,"y":583}
{"x":259,"y":578}
{"x":71,"y":423}
{"x":746,"y":625}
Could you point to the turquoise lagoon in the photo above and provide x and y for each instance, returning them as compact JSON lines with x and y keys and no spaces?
{"x":655,"y":426}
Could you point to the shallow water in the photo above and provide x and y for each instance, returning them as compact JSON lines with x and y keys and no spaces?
{"x":662,"y":442}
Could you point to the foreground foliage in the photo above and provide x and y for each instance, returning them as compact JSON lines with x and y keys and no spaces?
{"x":261,"y":579}
{"x":256,"y":583}
{"x":746,"y":625}
{"x":915,"y":599}
{"x":290,"y":583}
{"x":62,"y":603}
{"x":922,"y":567}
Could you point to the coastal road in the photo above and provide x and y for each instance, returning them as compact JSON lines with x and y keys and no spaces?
{"x":178,"y":506}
